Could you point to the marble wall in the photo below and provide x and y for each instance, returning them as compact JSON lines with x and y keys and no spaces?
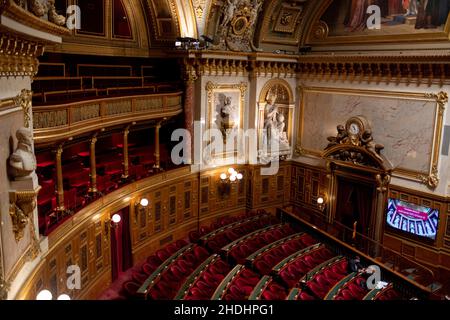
{"x":404,"y":124}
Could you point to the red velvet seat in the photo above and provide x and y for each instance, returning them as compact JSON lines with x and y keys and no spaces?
{"x":318,"y":291}
{"x":162,"y":254}
{"x":262,"y":267}
{"x":181,"y":244}
{"x":194,"y":236}
{"x":147,"y":269}
{"x":171,"y":248}
{"x":306,"y":297}
{"x":200,"y":253}
{"x":139,"y":278}
{"x":130,"y":289}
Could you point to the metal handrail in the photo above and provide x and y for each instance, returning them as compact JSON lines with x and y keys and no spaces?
{"x":398,"y":259}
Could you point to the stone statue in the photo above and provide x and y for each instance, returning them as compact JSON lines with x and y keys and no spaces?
{"x":270,"y":116}
{"x":340,"y":137}
{"x":53,"y":16}
{"x":226,"y":121}
{"x":229,"y":12}
{"x":22,"y":163}
{"x":274,"y":124}
{"x":41,"y":7}
{"x":371,"y":146}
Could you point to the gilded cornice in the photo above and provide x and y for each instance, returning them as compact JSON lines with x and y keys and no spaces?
{"x":18,"y":57}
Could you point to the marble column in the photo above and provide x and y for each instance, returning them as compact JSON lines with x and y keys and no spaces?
{"x":59,"y":180}
{"x":126,"y":164}
{"x":189,"y":106}
{"x":157,"y":165}
{"x":93,"y":175}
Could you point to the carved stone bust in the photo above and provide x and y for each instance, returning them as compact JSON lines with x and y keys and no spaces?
{"x":22,"y":162}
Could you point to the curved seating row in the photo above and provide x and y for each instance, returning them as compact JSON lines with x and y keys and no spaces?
{"x":268,"y":289}
{"x":237,"y":285}
{"x":220,"y":239}
{"x":165,"y":281}
{"x":297,"y":268}
{"x":240,"y":249}
{"x":268,"y":257}
{"x":325,"y":276}
{"x":299,"y":294}
{"x":352,"y":287}
{"x":204,"y":280}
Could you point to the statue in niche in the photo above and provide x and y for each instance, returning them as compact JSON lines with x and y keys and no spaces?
{"x":22,"y":163}
{"x":226,"y":121}
{"x":274,"y":123}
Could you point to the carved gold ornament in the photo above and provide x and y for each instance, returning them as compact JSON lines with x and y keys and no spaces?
{"x":21,"y":207}
{"x":23,"y":100}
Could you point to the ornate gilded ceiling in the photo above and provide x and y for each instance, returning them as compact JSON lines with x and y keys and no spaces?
{"x":270,"y":25}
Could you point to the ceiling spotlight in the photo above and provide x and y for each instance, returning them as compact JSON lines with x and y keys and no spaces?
{"x":223,"y":176}
{"x":320,"y":200}
{"x":240,"y":176}
{"x":44,"y":295}
{"x":231,"y":171}
{"x":64,"y":297}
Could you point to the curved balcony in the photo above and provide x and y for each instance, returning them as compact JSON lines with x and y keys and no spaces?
{"x":63,"y":121}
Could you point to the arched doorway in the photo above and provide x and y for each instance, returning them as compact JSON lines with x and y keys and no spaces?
{"x":121,"y":253}
{"x":359,"y":178}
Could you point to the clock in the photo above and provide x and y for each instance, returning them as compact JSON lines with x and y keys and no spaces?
{"x":356,"y":126}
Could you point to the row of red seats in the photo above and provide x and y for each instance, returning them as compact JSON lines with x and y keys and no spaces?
{"x":293,"y":271}
{"x":248,"y":246}
{"x":205,"y":285}
{"x":139,"y":276}
{"x":195,"y":236}
{"x":241,"y":286}
{"x":323,"y":281}
{"x":169,"y":281}
{"x":355,"y":289}
{"x":274,"y":291}
{"x":388,"y":294}
{"x":222,"y":239}
{"x":266,"y":261}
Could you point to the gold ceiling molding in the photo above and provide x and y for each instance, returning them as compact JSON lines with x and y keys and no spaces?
{"x":10,"y":9}
{"x":237,"y":65}
{"x":18,"y":57}
{"x":163,"y":13}
{"x":409,"y":69}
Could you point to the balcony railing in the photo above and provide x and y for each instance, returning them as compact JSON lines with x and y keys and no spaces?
{"x":409,"y":269}
{"x":52,"y":123}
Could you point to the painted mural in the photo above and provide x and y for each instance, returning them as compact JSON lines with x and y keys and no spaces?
{"x":398,"y":17}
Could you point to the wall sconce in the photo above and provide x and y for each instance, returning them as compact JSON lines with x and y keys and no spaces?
{"x":322,"y":202}
{"x":232,"y":177}
{"x":143,"y":203}
{"x":46,"y":295}
{"x":112,"y":223}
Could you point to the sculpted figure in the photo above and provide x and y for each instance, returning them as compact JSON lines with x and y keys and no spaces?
{"x":23,"y":161}
{"x":372,"y":147}
{"x":229,"y":12}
